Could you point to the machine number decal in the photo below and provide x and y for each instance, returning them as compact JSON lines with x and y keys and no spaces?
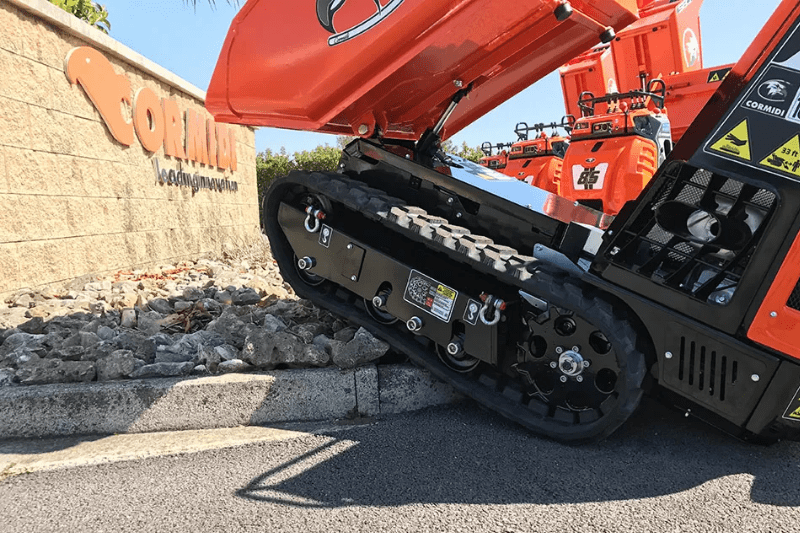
{"x":430,"y":295}
{"x":325,"y":235}
{"x":472,"y":312}
{"x":589,"y":178}
{"x":735,"y":143}
{"x":793,"y":410}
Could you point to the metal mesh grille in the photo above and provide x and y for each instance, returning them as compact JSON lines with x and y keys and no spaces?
{"x":679,"y":258}
{"x":794,"y":298}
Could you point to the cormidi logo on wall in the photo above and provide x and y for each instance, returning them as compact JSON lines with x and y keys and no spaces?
{"x":155,"y":122}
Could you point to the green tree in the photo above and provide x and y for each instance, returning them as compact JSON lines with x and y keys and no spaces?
{"x":271,"y":165}
{"x":466,"y":152}
{"x":90,"y":12}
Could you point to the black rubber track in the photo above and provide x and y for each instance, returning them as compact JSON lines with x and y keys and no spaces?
{"x":488,"y":386}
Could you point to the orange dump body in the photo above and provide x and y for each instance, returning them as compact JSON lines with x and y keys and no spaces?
{"x":360,"y":67}
{"x":536,"y":163}
{"x":664,"y":42}
{"x":592,"y":72}
{"x":606,"y":163}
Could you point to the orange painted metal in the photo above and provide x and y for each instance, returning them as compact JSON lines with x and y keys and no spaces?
{"x":296,"y":65}
{"x":776,"y":325}
{"x":534,"y":162}
{"x":688,"y":93}
{"x":593,"y":71}
{"x":665,"y":41}
{"x":495,"y":162}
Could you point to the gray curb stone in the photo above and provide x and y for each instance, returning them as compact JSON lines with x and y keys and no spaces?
{"x":230,"y":400}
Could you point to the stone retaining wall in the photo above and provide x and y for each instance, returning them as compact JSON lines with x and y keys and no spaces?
{"x":73,"y":199}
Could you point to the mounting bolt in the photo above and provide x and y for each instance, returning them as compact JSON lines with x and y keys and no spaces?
{"x":668,"y":355}
{"x":458,"y":83}
{"x":458,"y":215}
{"x":773,"y":314}
{"x":553,"y":364}
{"x":306,"y":263}
{"x":559,"y":349}
{"x":353,"y":278}
{"x":563,"y":379}
{"x":454,"y":348}
{"x":721,"y":299}
{"x":363,"y":129}
{"x":379,"y":300}
{"x":579,"y":379}
{"x":755,"y":377}
{"x":450,"y":201}
{"x":350,"y":246}
{"x":414,"y":324}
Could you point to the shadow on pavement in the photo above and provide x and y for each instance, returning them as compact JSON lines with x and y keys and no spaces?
{"x":468,"y":456}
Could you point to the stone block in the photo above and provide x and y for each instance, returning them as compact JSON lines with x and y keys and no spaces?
{"x":25,"y":79}
{"x":9,"y":267}
{"x":21,"y":125}
{"x":46,"y":261}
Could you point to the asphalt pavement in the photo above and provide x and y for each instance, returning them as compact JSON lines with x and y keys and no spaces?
{"x":442,"y":469}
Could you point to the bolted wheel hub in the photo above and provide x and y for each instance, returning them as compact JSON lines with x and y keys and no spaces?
{"x":571,"y":363}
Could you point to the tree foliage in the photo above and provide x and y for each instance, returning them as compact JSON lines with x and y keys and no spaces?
{"x":90,"y":12}
{"x":271,"y":165}
{"x":464,"y":151}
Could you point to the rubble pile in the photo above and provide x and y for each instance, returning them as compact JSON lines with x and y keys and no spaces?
{"x":204,"y":317}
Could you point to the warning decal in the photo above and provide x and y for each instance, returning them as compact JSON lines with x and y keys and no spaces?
{"x":430,"y":295}
{"x":793,"y":410}
{"x":717,"y":75}
{"x":735,"y":143}
{"x":786,"y":158}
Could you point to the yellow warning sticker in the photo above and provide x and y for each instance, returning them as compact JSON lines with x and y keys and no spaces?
{"x":795,"y":414}
{"x":786,"y":158}
{"x":714,"y":77}
{"x":736,"y":143}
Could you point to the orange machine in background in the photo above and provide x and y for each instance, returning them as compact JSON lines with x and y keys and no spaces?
{"x":538,"y":161}
{"x":664,"y":43}
{"x":495,"y":156}
{"x":613,"y":154}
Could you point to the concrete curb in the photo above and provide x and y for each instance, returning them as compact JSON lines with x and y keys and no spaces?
{"x":173,"y":404}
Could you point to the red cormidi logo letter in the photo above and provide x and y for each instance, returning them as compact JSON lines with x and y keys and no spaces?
{"x":156,"y":122}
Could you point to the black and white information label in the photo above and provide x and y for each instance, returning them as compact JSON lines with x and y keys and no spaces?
{"x":430,"y":295}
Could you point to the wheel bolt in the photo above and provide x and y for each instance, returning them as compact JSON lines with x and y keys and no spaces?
{"x":575,"y":349}
{"x":586,"y":364}
{"x":559,"y":349}
{"x":563,"y":379}
{"x":579,"y":379}
{"x":553,"y":364}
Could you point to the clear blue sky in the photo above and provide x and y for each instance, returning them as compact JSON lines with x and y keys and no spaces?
{"x":187,"y":41}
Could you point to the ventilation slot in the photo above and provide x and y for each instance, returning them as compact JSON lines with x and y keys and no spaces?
{"x":705,"y":370}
